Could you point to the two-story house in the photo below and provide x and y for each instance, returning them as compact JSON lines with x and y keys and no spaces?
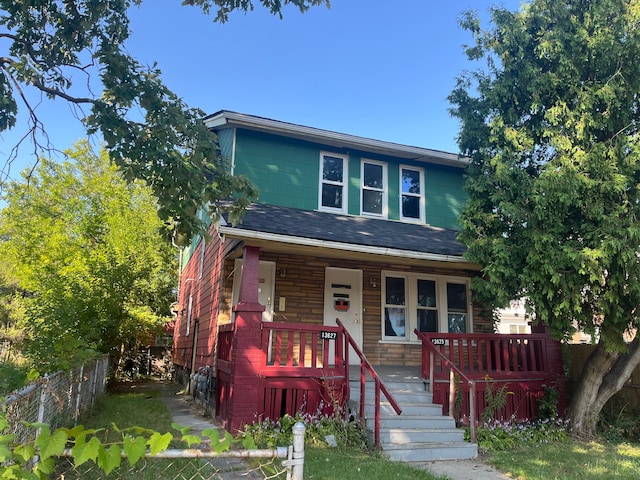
{"x":345,"y":227}
{"x":348,"y":226}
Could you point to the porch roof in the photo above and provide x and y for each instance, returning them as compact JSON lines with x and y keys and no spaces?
{"x":346,"y":232}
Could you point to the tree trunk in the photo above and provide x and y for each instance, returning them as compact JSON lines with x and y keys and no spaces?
{"x":604,"y":374}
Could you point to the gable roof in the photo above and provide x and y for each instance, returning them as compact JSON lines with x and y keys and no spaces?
{"x":226,"y":118}
{"x":346,"y":232}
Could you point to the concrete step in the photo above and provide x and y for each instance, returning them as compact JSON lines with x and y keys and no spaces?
{"x":425,"y":452}
{"x":412,"y":387}
{"x":407,"y":409}
{"x":399,"y":396}
{"x":414,"y":421}
{"x":403,"y":436}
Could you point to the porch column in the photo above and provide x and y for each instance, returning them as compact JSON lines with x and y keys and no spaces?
{"x":246,"y":356}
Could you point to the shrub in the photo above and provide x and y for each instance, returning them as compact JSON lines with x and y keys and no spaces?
{"x":273,"y":433}
{"x":12,"y":378}
{"x":496,"y":436}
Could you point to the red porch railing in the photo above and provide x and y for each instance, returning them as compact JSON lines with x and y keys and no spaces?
{"x":302,"y":369}
{"x":365,"y":367}
{"x":522,"y":363}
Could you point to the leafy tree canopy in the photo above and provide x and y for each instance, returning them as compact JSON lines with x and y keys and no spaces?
{"x":85,"y":249}
{"x":551,"y":123}
{"x":74,"y":50}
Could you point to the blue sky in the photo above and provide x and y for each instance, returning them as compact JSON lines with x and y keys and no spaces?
{"x":374,"y":68}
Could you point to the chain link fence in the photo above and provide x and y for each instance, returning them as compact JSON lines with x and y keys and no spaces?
{"x":59,"y":399}
{"x":56,"y":399}
{"x":193,"y":464}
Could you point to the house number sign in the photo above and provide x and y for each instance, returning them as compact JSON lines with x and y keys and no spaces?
{"x":324,"y":335}
{"x":437,"y":341}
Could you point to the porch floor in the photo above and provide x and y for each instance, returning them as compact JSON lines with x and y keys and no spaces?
{"x":390,"y":373}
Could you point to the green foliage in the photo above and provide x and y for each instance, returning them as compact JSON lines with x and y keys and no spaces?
{"x":12,"y":377}
{"x":619,"y":423}
{"x":548,"y":403}
{"x":85,"y":445}
{"x":149,"y":132}
{"x":84,"y":246}
{"x":551,"y":127}
{"x":551,"y":124}
{"x":270,"y":434}
{"x":494,"y":401}
{"x":493,"y":436}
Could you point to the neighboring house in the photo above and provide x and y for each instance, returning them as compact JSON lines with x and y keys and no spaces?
{"x":344,"y":227}
{"x":514,"y":319}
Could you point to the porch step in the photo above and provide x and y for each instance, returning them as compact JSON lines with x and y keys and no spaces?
{"x":425,"y":452}
{"x":421,"y":433}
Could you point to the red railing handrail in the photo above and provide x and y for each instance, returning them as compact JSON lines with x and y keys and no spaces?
{"x":426,"y":343}
{"x":379,"y":385}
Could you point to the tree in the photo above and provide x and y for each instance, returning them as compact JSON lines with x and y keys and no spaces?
{"x":85,"y":247}
{"x":551,"y":125}
{"x":59,"y":47}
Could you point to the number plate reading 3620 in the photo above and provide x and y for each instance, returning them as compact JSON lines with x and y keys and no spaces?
{"x":437,"y":341}
{"x":328,"y":335}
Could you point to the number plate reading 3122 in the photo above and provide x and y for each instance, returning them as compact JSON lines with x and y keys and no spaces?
{"x":328,"y":335}
{"x":437,"y":341}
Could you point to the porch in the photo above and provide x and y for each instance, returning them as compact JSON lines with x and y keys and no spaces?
{"x":411,"y":412}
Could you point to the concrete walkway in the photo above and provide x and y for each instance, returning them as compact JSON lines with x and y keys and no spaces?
{"x":185,"y":413}
{"x":462,"y":470}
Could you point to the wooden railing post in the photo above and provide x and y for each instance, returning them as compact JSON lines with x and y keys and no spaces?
{"x":472,"y":410}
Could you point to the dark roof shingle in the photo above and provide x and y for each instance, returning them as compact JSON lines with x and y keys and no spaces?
{"x":350,"y":229}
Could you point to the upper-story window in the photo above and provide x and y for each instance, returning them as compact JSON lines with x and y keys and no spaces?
{"x":333,"y":182}
{"x":412,"y":194}
{"x":374,"y":188}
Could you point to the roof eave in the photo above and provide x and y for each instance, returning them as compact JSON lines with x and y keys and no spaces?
{"x":335,"y":139}
{"x":242,"y":234}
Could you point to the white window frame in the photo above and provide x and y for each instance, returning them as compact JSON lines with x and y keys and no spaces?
{"x":343,"y":184}
{"x":411,"y":303}
{"x":421,"y":196}
{"x":384,"y":190}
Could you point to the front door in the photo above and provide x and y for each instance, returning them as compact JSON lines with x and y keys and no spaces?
{"x":343,"y":300}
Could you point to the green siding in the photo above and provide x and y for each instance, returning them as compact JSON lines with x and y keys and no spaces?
{"x":286,"y":173}
{"x":445,"y":196}
{"x":225,"y":140}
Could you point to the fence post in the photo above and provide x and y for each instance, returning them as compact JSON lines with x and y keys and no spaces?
{"x":298,"y":451}
{"x":76,"y":412}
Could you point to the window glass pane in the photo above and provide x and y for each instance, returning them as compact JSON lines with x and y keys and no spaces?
{"x":395,"y":291}
{"x":410,"y":207}
{"x":456,"y":297}
{"x":394,"y":322}
{"x":427,"y":320}
{"x":426,"y":293}
{"x":372,"y":201}
{"x":373,"y":176}
{"x":332,"y":169}
{"x":457,"y":323}
{"x":411,"y":181}
{"x":332,"y":196}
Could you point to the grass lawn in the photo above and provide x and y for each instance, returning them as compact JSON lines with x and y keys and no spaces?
{"x":337,"y":464}
{"x":571,"y":460}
